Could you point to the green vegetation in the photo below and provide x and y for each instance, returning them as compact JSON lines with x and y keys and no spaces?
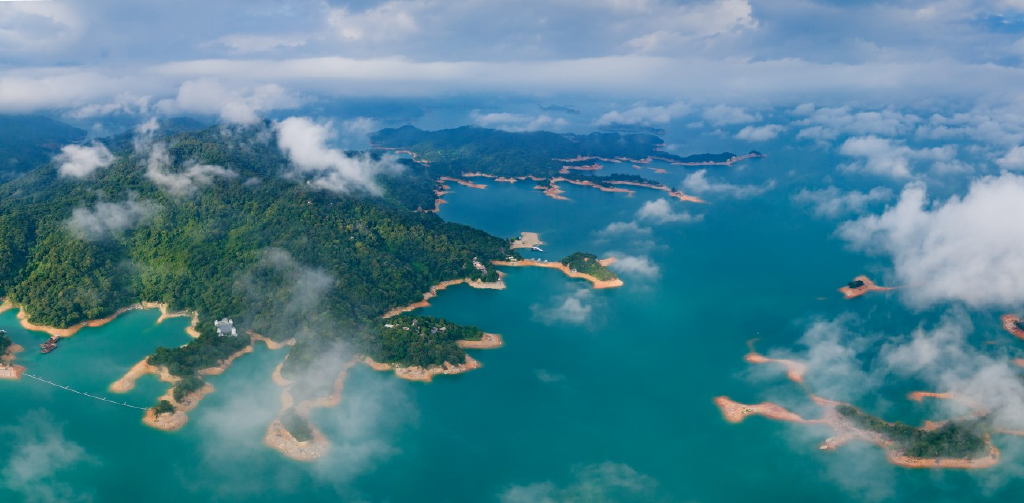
{"x":455,"y":151}
{"x":421,"y":341}
{"x":163,"y":407}
{"x":587,"y":263}
{"x":297,"y":425}
{"x":955,"y":439}
{"x":855,"y":284}
{"x":5,"y":344}
{"x":29,"y":141}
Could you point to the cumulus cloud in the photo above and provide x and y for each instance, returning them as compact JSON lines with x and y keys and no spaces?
{"x":644,"y":115}
{"x":832,"y":202}
{"x":577,"y":308}
{"x":1014,"y":159}
{"x":80,"y":161}
{"x":724,"y":115}
{"x":598,"y":482}
{"x":516,"y":123}
{"x":618,"y":228}
{"x":236,"y":106}
{"x":660,"y":211}
{"x":966,"y":249}
{"x":887,"y":157}
{"x":633,"y":265}
{"x":305,"y":144}
{"x":826,"y":124}
{"x":107,"y":220}
{"x":698,"y":183}
{"x":38,"y":456}
{"x":387,"y":21}
{"x":760,"y":133}
{"x":183,"y":182}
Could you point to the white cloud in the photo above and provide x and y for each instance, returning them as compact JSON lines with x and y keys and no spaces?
{"x":305,"y":144}
{"x":254,"y":43}
{"x":237,"y":106}
{"x":698,"y":183}
{"x":760,"y":133}
{"x":826,"y":124}
{"x":618,"y":228}
{"x":516,"y":123}
{"x":388,"y":21}
{"x":724,"y":115}
{"x":634,"y":265}
{"x":887,"y":157}
{"x":598,"y":482}
{"x":576,"y":308}
{"x":107,"y":220}
{"x":660,"y":211}
{"x":38,"y":455}
{"x":80,"y":161}
{"x":1014,"y":159}
{"x":183,"y":182}
{"x":644,"y":115}
{"x":966,"y":249}
{"x":832,"y":202}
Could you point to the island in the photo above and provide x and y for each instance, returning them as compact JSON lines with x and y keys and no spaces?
{"x":578,"y":265}
{"x":1014,"y":325}
{"x":861,"y":285}
{"x":958,"y":443}
{"x":527,"y":240}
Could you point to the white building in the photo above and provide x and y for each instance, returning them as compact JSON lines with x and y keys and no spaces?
{"x":226,"y":327}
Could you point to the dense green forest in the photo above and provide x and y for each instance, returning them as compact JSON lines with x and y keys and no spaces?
{"x":209,"y":251}
{"x":421,"y":341}
{"x":296,"y":425}
{"x":29,"y":141}
{"x":162,"y":407}
{"x":5,"y":344}
{"x":452,"y":152}
{"x":955,"y":439}
{"x":587,"y":263}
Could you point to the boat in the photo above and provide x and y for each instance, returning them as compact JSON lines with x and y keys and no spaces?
{"x":536,"y":248}
{"x":49,"y":345}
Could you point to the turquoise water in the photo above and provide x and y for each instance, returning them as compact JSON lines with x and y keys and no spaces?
{"x":612,"y":405}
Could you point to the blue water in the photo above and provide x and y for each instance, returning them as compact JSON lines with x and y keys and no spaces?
{"x":612,"y":405}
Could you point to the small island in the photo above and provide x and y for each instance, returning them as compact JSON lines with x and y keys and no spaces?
{"x":527,"y":240}
{"x":578,"y":265}
{"x":1014,"y":325}
{"x":861,"y":285}
{"x":417,"y":348}
{"x":8,"y":350}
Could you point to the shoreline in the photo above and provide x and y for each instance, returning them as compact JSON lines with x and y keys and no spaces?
{"x":430,"y":294}
{"x":165,"y":313}
{"x":281,"y":440}
{"x":527,"y":240}
{"x":1010,"y":325}
{"x":487,"y":341}
{"x":868,"y":286}
{"x":8,"y":369}
{"x":171,"y":421}
{"x":423,"y":374}
{"x":597,"y":283}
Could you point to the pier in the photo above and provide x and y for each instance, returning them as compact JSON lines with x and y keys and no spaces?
{"x":94,"y":397}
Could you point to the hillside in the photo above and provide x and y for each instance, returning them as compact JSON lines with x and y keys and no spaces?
{"x":28,"y":141}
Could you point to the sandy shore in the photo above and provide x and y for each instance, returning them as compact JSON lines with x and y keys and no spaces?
{"x":424,"y":374}
{"x":168,"y":421}
{"x":488,"y":341}
{"x":868,"y":286}
{"x":615,"y":283}
{"x":588,"y":167}
{"x":553,"y":191}
{"x":735,"y":412}
{"x":1010,"y":325}
{"x":278,"y":437}
{"x":72,"y":330}
{"x":465,"y":183}
{"x":8,"y":370}
{"x":527,"y":240}
{"x":430,"y":294}
{"x":794,"y":370}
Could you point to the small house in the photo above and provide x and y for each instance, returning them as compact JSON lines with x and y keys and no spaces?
{"x":226,"y":328}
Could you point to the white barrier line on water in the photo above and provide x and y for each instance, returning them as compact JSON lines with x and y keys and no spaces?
{"x":102,"y":399}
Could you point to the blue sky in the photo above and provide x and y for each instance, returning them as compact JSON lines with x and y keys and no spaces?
{"x":126,"y":56}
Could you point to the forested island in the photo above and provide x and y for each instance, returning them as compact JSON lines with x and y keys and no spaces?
{"x":589,"y":264}
{"x":958,"y":439}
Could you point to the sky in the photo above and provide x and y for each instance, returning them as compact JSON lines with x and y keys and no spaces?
{"x":103,"y":56}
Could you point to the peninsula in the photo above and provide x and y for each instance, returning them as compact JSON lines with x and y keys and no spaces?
{"x":861,"y":285}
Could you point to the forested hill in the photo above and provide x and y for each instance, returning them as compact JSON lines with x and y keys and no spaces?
{"x":469,"y":148}
{"x":244,"y":246}
{"x":28,"y":141}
